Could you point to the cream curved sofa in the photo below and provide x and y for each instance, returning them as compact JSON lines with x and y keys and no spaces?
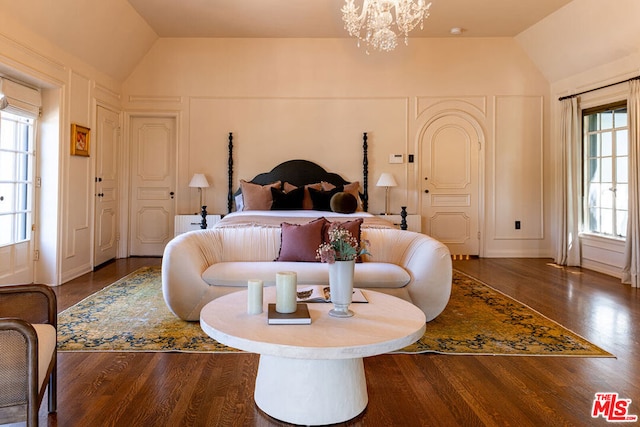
{"x":202,"y":265}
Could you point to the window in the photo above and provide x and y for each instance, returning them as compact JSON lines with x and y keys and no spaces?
{"x":16,"y":177}
{"x":606,"y":165}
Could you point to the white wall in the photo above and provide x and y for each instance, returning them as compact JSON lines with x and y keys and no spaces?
{"x":313,"y":98}
{"x":71,"y":89}
{"x":592,"y":47}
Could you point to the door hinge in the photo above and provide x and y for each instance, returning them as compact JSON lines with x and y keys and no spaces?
{"x":478,"y":235}
{"x":33,"y":227}
{"x":36,"y":255}
{"x":38,"y":182}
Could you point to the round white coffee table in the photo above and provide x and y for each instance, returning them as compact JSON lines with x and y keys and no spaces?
{"x":314,"y":374}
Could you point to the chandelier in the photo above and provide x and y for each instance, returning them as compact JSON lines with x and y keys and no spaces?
{"x":376,"y":19}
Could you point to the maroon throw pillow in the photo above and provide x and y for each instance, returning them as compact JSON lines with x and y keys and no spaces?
{"x":300,"y":242}
{"x":354,"y":227}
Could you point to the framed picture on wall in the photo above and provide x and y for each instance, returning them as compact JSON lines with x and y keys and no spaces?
{"x":80,"y":140}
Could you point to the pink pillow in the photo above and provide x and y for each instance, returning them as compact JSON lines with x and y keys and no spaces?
{"x":257,"y":197}
{"x":327,"y":186}
{"x":354,"y":227}
{"x":307,"y":203}
{"x":300,"y":242}
{"x":287,"y":187}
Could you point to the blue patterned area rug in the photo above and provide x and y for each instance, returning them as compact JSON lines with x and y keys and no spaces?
{"x":131,"y":315}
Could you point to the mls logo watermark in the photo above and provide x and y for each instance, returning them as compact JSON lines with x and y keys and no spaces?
{"x":612,"y":408}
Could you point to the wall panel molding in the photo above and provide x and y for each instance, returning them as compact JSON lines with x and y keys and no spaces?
{"x":518,"y":159}
{"x":478,"y":104}
{"x":145,"y":99}
{"x":26,"y":52}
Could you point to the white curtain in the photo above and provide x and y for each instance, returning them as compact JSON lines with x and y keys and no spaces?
{"x":568,"y":248}
{"x":632,"y":246}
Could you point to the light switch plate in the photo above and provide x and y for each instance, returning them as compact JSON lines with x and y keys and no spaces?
{"x":396,"y":158}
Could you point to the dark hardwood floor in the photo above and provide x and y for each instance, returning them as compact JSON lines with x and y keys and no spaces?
{"x":163,"y":389}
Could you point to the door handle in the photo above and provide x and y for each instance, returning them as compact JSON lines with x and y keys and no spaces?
{"x":426,"y":191}
{"x":172,"y":194}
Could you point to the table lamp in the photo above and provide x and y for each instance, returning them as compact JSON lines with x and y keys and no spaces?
{"x":386,"y":180}
{"x":199,"y":181}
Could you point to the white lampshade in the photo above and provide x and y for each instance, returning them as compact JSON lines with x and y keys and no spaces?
{"x":387,"y":180}
{"x":199,"y":180}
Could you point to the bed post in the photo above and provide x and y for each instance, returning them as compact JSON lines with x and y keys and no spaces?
{"x":365,"y":174}
{"x":230,"y":174}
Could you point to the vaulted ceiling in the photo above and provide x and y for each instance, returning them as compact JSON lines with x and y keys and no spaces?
{"x":322,"y":18}
{"x":114,"y":35}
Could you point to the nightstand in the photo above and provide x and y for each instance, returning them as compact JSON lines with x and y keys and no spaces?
{"x":414,"y":222}
{"x":184,"y":223}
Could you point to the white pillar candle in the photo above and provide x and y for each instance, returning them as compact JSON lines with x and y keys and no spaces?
{"x":254,"y":296}
{"x":286,"y":282}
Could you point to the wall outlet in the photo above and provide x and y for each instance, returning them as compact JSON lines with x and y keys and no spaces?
{"x":517,"y":225}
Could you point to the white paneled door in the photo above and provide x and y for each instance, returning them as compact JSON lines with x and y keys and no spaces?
{"x":450,"y":183}
{"x":106,"y":186}
{"x":152,"y":192}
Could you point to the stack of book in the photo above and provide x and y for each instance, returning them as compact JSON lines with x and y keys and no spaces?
{"x":299,"y":317}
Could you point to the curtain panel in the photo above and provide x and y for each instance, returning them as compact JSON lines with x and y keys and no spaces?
{"x":568,"y":245}
{"x":632,"y":245}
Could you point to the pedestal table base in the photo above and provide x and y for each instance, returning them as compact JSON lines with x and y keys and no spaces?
{"x":311,"y":391}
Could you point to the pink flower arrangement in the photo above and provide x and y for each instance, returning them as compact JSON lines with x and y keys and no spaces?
{"x":342,"y":246}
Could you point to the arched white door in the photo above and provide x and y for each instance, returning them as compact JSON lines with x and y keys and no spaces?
{"x":450,"y":183}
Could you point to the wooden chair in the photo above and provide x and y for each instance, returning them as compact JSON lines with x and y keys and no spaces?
{"x":28,"y":328}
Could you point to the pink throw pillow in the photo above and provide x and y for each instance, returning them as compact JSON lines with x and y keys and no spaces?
{"x":257,"y":197}
{"x":300,"y":242}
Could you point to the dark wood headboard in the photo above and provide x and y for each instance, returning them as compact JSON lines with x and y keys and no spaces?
{"x":301,"y":172}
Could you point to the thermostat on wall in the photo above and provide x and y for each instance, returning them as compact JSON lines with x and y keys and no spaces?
{"x":396,"y":158}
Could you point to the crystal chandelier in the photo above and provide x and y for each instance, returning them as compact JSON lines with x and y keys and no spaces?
{"x":376,"y":19}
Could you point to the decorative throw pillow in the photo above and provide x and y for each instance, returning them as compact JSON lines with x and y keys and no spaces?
{"x":327,"y":186}
{"x":354,"y":227}
{"x":322,"y":199}
{"x":287,"y":201}
{"x":343,"y":202}
{"x":307,"y":203}
{"x":239,"y":202}
{"x":354,"y":188}
{"x":288,"y":187}
{"x":300,"y":242}
{"x":256,"y":196}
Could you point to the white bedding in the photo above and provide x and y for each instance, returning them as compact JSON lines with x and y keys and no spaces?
{"x":306,"y":213}
{"x":276,"y":218}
